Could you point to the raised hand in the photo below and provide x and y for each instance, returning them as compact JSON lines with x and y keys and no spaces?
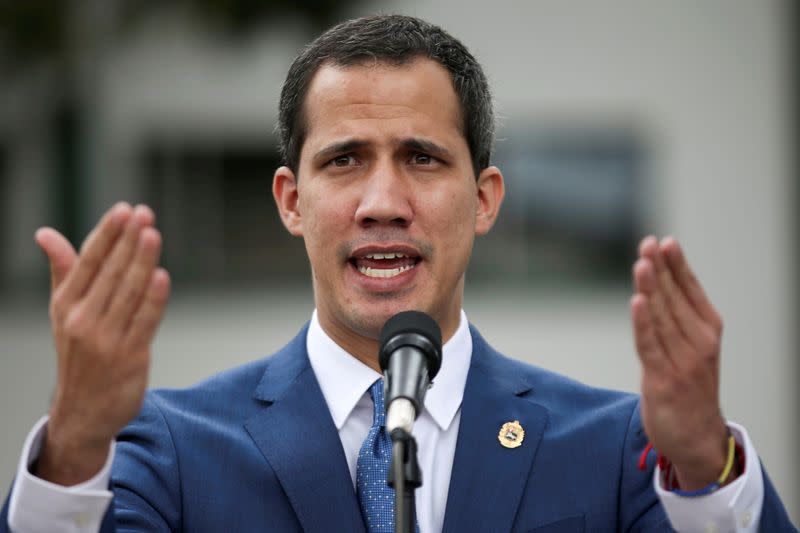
{"x":105,"y":306}
{"x":678,"y":335}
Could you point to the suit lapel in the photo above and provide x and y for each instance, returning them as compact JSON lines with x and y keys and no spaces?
{"x":488,"y":479}
{"x":297,"y":436}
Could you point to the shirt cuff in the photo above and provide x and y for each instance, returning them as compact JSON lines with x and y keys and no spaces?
{"x":38,"y":505}
{"x":734,"y":507}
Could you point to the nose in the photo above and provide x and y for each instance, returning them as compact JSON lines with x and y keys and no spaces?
{"x":385,"y":199}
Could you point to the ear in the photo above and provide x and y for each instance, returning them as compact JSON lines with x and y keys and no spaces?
{"x":491,"y":190}
{"x":284,"y":190}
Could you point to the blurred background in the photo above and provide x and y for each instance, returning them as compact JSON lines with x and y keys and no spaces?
{"x":616,"y":119}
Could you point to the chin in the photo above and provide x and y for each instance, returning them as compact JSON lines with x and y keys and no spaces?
{"x":370,"y":317}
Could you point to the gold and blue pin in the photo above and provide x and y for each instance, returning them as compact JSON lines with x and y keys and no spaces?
{"x":511,"y":434}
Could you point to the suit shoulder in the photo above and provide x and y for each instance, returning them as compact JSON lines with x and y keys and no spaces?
{"x":229,"y":392}
{"x":563,"y":394}
{"x":240,"y":379}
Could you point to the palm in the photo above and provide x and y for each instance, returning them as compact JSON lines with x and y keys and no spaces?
{"x":678,"y":333}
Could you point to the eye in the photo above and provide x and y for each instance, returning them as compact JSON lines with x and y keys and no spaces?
{"x":343,"y":160}
{"x":422,"y":159}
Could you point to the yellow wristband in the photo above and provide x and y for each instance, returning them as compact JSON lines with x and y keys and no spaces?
{"x":729,"y":463}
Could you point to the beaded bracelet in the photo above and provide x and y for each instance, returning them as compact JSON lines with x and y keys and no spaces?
{"x":726,"y":472}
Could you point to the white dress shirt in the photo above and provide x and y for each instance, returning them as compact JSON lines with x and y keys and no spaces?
{"x":345,"y":381}
{"x":37,"y":505}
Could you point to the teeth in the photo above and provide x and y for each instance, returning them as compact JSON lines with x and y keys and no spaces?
{"x":384,"y":272}
{"x":390,"y":255}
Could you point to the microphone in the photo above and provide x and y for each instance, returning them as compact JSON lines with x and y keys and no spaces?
{"x":410,"y":357}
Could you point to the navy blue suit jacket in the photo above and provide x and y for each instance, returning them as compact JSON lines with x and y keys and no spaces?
{"x":255,"y":449}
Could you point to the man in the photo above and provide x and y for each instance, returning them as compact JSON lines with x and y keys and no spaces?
{"x":386,"y":131}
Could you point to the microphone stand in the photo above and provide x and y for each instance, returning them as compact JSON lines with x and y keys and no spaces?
{"x":404,"y":476}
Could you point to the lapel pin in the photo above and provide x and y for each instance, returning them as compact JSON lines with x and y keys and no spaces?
{"x":511,"y":434}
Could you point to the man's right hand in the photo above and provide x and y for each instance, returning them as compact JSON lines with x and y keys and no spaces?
{"x":105,"y":305}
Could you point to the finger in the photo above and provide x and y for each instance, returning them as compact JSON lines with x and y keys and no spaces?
{"x":128,"y":295}
{"x":686,"y":279}
{"x":116,"y":264}
{"x":60,"y":254}
{"x":648,"y":346}
{"x":93,"y":252}
{"x":143,"y":325}
{"x":688,"y":321}
{"x":666,"y":328}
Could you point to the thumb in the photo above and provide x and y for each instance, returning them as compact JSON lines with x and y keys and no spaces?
{"x":59,"y":251}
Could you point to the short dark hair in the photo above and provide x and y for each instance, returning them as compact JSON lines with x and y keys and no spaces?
{"x":395,"y":39}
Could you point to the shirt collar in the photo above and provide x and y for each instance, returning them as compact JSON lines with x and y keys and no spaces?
{"x":344,"y":379}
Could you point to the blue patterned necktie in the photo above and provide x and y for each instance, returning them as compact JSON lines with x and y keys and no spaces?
{"x":374,"y":459}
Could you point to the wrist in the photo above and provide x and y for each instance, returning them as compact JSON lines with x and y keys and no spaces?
{"x":69,"y":460}
{"x":730,"y":472}
{"x":705,"y":464}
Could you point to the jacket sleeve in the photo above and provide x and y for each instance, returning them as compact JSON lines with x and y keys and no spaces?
{"x":773,"y":514}
{"x":639,"y":509}
{"x":145,"y":477}
{"x":719,"y":511}
{"x":145,"y":480}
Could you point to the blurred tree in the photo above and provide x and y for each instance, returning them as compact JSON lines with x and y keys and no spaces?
{"x":69,"y":37}
{"x":31,"y":30}
{"x":35,"y":30}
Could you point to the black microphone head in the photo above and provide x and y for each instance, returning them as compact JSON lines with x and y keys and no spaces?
{"x":416,"y":329}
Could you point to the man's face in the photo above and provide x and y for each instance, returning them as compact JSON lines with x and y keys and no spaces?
{"x":385,"y":196}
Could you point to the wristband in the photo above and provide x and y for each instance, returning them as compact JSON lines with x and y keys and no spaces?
{"x":723,"y":478}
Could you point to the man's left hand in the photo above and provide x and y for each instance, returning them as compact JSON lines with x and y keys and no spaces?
{"x":678,"y":335}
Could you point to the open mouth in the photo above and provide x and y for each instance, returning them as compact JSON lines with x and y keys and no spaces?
{"x":384,"y":264}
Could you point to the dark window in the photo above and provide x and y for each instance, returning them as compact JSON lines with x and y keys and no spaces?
{"x":570,"y":209}
{"x":215,"y":209}
{"x":5,"y":225}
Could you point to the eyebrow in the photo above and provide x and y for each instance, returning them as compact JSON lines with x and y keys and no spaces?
{"x":411,"y":143}
{"x":338,"y":148}
{"x":424,"y":145}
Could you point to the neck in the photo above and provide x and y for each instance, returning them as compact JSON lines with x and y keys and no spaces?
{"x":364,"y":346}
